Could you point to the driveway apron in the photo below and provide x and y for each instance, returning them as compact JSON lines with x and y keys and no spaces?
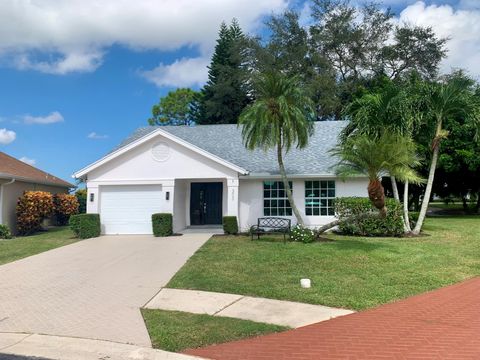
{"x":91,"y":289}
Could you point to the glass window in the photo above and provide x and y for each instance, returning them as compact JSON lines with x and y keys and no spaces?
{"x":319,"y":198}
{"x":275,"y":201}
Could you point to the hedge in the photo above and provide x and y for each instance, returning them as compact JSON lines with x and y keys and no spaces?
{"x":5,"y":232}
{"x":85,"y":226}
{"x":32,"y":208}
{"x":65,"y":205}
{"x":230,"y":225}
{"x":162,"y":224}
{"x":371,"y":224}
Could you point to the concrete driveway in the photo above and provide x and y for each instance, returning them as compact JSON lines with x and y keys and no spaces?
{"x":91,"y":289}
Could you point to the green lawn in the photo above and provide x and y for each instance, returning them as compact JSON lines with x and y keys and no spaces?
{"x":176,"y":331}
{"x":350,"y":272}
{"x":20,"y":247}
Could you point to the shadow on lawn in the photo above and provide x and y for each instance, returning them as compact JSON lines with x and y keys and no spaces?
{"x":352,"y":244}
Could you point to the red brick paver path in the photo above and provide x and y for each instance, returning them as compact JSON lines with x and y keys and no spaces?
{"x":442,"y":324}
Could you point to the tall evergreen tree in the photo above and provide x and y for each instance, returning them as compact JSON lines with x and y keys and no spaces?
{"x":225,"y":94}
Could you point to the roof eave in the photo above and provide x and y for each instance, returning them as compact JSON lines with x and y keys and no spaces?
{"x":67,"y":185}
{"x":81,"y":174}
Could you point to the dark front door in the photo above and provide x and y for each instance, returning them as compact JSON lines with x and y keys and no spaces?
{"x":206,"y":203}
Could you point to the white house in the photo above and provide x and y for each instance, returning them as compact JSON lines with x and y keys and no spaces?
{"x":202,"y":173}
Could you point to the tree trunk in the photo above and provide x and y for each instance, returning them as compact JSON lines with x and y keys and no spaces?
{"x":431,"y":176}
{"x":396,"y":196}
{"x":376,"y":194}
{"x":283,"y":173}
{"x":334,"y":223}
{"x":406,"y":218}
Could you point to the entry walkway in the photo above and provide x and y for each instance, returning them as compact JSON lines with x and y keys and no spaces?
{"x":286,"y":313}
{"x":442,"y":324}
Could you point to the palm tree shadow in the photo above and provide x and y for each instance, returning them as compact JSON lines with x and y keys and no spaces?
{"x":365,"y":246}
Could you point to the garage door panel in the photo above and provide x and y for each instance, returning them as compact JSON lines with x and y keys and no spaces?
{"x":128,"y":209}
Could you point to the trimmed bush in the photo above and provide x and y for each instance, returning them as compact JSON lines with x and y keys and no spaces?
{"x":5,"y":232}
{"x":85,"y":226}
{"x":32,"y":208}
{"x":162,"y":224}
{"x":82,"y":200}
{"x":302,"y":234}
{"x":230,"y":225}
{"x":370,"y":224}
{"x":65,"y":205}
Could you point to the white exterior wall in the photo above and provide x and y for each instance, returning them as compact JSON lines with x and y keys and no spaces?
{"x":182,"y":167}
{"x":9,"y":195}
{"x":251,"y":199}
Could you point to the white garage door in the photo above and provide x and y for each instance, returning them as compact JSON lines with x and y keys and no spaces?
{"x":129,"y":209}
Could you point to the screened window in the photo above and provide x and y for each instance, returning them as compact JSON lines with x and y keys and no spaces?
{"x":319,"y":198}
{"x":275,"y":201}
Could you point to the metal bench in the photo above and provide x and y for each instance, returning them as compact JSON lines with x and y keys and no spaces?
{"x":269,"y":225}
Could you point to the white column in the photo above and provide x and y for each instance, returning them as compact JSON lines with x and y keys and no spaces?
{"x":92,"y":198}
{"x":168,"y":189}
{"x":232,"y":197}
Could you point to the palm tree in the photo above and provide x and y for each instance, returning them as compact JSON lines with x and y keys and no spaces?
{"x":280,"y":117}
{"x":387,"y":154}
{"x":374,"y":113}
{"x":446,"y":100}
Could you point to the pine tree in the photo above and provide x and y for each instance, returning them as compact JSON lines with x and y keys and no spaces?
{"x":225,"y":94}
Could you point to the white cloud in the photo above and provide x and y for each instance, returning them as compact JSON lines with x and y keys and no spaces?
{"x":71,"y":62}
{"x":27,"y":160}
{"x":94,"y":135}
{"x":7,"y":136}
{"x":461,"y":26}
{"x":182,"y":73}
{"x":51,"y":118}
{"x":79,"y":32}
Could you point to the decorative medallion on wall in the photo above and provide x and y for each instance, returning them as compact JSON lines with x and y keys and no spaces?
{"x":161,"y":151}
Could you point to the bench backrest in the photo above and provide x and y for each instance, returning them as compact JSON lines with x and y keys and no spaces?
{"x":274,"y":223}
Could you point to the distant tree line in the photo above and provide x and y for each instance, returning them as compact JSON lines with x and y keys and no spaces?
{"x":348,"y":60}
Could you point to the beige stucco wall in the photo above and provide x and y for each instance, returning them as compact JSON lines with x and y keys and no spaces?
{"x":12,"y":192}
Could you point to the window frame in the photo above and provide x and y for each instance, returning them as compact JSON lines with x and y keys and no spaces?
{"x":276,"y":188}
{"x":316,"y":207}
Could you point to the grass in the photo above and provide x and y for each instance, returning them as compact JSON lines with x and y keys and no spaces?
{"x":350,"y":272}
{"x":176,"y":331}
{"x":21,"y":247}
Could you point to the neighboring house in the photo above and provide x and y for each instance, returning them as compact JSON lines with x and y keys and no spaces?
{"x":16,"y":177}
{"x":202,"y":173}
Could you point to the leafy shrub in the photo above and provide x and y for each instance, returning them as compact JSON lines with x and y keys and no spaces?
{"x":302,"y":234}
{"x":85,"y":226}
{"x":65,"y":205}
{"x":32,"y":208}
{"x":370,"y":223}
{"x":230,"y":225}
{"x":162,"y":224}
{"x":81,"y":195}
{"x":5,"y":232}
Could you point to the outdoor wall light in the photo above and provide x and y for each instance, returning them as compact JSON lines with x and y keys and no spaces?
{"x":92,"y":197}
{"x":167,"y":195}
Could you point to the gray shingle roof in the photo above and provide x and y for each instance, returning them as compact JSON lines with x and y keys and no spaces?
{"x":225,"y":141}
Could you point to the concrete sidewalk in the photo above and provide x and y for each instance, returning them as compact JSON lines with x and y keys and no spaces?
{"x":286,"y":313}
{"x":66,"y":348}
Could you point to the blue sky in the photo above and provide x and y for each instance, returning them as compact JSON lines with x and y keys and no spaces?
{"x":77,"y":78}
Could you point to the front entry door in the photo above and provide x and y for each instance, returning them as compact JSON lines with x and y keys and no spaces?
{"x":206,"y":203}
